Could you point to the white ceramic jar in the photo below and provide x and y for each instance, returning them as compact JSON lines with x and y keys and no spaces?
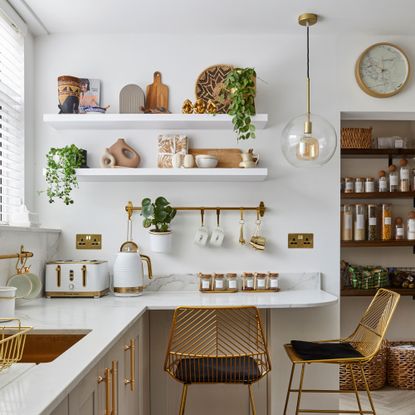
{"x":7,"y":301}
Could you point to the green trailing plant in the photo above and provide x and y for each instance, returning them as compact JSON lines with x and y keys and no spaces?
{"x":60,"y":172}
{"x":159,"y":214}
{"x":240,"y":90}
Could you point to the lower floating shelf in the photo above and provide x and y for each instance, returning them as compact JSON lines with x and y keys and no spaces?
{"x":356,"y":292}
{"x":171,"y":175}
{"x":376,"y":244}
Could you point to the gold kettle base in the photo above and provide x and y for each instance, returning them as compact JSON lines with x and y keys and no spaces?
{"x":128,"y":291}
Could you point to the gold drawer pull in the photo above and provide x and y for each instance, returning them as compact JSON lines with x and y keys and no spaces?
{"x":114,"y":371}
{"x":107,"y":380}
{"x":58,"y":275}
{"x":131,"y":381}
{"x":83,"y":275}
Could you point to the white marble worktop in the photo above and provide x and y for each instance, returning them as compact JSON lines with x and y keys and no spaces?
{"x":40,"y":389}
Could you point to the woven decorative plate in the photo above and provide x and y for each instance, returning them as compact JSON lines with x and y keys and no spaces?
{"x":209,"y":84}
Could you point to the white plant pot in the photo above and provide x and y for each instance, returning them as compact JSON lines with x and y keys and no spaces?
{"x":161,"y":241}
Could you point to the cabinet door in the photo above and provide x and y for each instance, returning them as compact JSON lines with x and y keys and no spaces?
{"x":62,"y":408}
{"x":83,"y":400}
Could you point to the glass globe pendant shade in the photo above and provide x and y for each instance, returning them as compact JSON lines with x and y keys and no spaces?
{"x":308,"y":140}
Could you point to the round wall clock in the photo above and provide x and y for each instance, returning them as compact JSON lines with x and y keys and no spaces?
{"x":382,"y":70}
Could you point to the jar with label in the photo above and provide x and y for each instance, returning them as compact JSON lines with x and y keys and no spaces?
{"x":261,"y":281}
{"x":372,"y":225}
{"x":232,"y":280}
{"x":393,"y":178}
{"x":386,"y":222}
{"x":248,"y":281}
{"x":359,"y":185}
{"x":205,"y":282}
{"x":410,"y":233}
{"x":369,"y":185}
{"x":348,"y":185}
{"x":219,"y":282}
{"x":399,"y":229}
{"x":404,"y":182}
{"x":382,"y":181}
{"x":273,"y":281}
{"x":347,"y":223}
{"x":359,"y":223}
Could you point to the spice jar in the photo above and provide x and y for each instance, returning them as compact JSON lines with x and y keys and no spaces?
{"x":386,"y":222}
{"x":399,"y":229}
{"x":382,"y":181}
{"x":232,"y":281}
{"x":359,"y":223}
{"x":219,"y":282}
{"x":359,"y":185}
{"x":410,"y":232}
{"x":372,"y":226}
{"x":347,"y":223}
{"x":348,"y":185}
{"x":404,"y":182}
{"x":393,"y":178}
{"x":205,"y":282}
{"x":248,"y":281}
{"x":261,"y":281}
{"x":273,"y":281}
{"x":369,"y":185}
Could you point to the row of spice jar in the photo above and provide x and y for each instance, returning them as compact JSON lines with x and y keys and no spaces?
{"x":374,"y":222}
{"x":395,"y":180}
{"x":251,"y":281}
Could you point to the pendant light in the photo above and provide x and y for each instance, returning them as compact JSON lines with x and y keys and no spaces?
{"x":308,"y":140}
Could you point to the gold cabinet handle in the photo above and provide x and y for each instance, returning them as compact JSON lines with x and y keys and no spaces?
{"x":114,"y":371}
{"x":107,"y":380}
{"x":83,"y":275}
{"x":58,"y":275}
{"x":131,"y":348}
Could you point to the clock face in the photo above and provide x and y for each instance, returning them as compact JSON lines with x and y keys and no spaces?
{"x":382,"y":70}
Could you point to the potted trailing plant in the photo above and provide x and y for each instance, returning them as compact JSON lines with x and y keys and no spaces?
{"x":240,"y":90}
{"x":60,"y":172}
{"x":159,"y":215}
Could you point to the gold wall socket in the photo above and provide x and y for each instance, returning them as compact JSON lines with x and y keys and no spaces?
{"x":88,"y":241}
{"x":301,"y":240}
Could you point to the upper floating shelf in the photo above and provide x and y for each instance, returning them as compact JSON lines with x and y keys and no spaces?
{"x":146,"y":121}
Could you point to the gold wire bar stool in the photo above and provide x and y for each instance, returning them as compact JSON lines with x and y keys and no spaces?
{"x":217,"y":345}
{"x":353,"y":351}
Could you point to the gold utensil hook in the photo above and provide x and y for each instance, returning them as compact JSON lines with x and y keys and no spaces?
{"x":241,"y":230}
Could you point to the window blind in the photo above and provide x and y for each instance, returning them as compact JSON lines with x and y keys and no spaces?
{"x":11,"y":118}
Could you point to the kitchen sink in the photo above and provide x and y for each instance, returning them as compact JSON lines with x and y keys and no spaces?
{"x":44,"y":347}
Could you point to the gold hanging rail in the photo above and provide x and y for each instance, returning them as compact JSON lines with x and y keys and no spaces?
{"x":19,"y":255}
{"x":130,"y":208}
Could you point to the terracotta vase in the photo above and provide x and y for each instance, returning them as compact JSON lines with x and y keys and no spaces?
{"x":69,"y":89}
{"x":125,"y":155}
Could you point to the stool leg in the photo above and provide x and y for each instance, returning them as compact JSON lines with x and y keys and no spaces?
{"x":289,"y":387}
{"x":355,"y":388}
{"x":251,"y":399}
{"x":367,"y":390}
{"x":183,"y":399}
{"x":300,"y":389}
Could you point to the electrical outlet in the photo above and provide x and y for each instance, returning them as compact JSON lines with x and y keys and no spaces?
{"x":301,"y":240}
{"x":88,"y":241}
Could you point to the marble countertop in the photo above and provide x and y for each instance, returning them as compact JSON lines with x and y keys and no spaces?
{"x":40,"y":389}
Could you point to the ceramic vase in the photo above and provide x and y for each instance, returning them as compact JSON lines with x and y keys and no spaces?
{"x":125,"y":155}
{"x":69,"y":89}
{"x":161,"y":241}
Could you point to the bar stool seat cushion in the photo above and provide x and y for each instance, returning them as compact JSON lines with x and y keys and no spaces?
{"x":218,"y":369}
{"x":324,"y":351}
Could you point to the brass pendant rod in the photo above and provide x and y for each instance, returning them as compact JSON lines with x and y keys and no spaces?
{"x":130,"y":208}
{"x":21,"y":255}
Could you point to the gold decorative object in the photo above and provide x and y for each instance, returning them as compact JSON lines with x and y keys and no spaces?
{"x":366,"y":339}
{"x":187,"y":107}
{"x":199,"y":107}
{"x":21,"y":256}
{"x":211,"y":107}
{"x":217,"y":345}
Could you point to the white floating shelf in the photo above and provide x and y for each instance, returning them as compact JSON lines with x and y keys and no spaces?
{"x":171,"y":175}
{"x":377,"y":115}
{"x":146,"y":121}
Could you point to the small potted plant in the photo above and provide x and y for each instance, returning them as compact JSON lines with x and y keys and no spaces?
{"x":240,"y":90}
{"x":61,"y":172}
{"x":159,"y":215}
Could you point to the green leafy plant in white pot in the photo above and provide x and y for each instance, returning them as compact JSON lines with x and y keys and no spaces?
{"x":158,"y":216}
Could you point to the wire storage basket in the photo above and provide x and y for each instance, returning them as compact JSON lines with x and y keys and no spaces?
{"x":12,"y":342}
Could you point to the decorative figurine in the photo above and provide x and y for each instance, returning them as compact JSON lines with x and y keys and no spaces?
{"x":107,"y":159}
{"x":187,"y":107}
{"x":69,"y":89}
{"x":199,"y":106}
{"x":211,"y":107}
{"x":125,"y":155}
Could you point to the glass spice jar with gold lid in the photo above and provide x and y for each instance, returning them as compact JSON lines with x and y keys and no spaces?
{"x":359,"y":185}
{"x":261,"y":281}
{"x":348,"y":185}
{"x":273,"y":283}
{"x":205,"y":282}
{"x":219,"y":282}
{"x":248,"y":281}
{"x":232,"y":278}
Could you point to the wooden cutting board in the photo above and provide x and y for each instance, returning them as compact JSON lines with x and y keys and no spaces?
{"x":228,"y":157}
{"x":157,"y":94}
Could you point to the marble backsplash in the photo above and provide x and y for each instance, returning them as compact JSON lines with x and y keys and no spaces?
{"x":190,"y":282}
